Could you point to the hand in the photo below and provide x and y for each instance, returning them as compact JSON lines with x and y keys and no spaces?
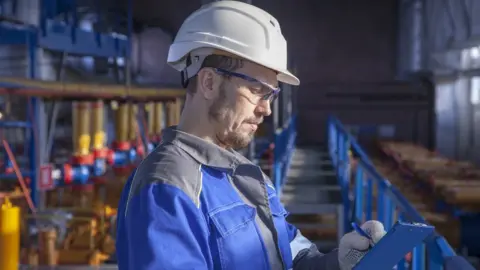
{"x":353,"y":246}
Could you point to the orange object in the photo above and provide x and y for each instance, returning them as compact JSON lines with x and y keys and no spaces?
{"x":19,"y":175}
{"x":408,"y":257}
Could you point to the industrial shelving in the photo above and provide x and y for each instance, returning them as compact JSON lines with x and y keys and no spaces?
{"x":65,"y":36}
{"x":89,"y":101}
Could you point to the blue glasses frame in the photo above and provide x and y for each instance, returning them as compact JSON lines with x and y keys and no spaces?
{"x":270,"y":96}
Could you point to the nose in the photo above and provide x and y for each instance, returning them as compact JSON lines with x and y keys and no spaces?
{"x":264,"y":108}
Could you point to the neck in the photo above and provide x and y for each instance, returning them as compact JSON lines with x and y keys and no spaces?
{"x":194,"y":123}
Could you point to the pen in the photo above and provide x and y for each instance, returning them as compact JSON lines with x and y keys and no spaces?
{"x":360,"y":231}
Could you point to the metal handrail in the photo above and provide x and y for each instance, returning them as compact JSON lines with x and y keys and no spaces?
{"x":389,"y":199}
{"x":284,"y":144}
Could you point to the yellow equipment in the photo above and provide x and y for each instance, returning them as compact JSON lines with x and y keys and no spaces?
{"x":9,"y":236}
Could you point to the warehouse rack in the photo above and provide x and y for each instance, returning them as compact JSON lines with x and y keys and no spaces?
{"x":63,"y":217}
{"x":63,"y":35}
{"x":390,"y":204}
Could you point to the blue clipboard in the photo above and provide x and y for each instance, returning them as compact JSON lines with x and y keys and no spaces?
{"x":398,"y":241}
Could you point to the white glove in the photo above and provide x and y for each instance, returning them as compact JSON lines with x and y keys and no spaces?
{"x":353,"y":246}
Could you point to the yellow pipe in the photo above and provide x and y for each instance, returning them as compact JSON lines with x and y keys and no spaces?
{"x":47,"y":251}
{"x":178,"y":110}
{"x":9,"y":236}
{"x":121,"y":123}
{"x":132,"y":131}
{"x":157,"y":118}
{"x":98,"y":132}
{"x":47,"y":217}
{"x":150,"y":109}
{"x":171,"y":118}
{"x":142,"y":93}
{"x":81,"y":128}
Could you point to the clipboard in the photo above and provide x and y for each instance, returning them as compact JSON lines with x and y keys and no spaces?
{"x":398,"y":241}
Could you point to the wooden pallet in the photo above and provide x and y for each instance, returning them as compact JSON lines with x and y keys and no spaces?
{"x":457,"y":183}
{"x":424,"y":203}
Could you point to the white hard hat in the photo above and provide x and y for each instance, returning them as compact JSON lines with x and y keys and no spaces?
{"x":234,"y":27}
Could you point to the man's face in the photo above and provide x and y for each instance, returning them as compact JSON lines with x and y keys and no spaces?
{"x":238,"y":108}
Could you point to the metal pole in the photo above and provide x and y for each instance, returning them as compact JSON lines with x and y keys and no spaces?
{"x":56,"y":109}
{"x":275,"y":140}
{"x":42,"y":130}
{"x":32,"y":114}
{"x":275,"y":116}
{"x":128,"y":74}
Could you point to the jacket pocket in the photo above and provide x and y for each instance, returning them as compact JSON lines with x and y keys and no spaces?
{"x":232,"y":218}
{"x":239,"y":244}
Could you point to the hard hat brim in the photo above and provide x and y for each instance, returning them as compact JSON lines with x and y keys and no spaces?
{"x":287,"y":77}
{"x":283,"y":75}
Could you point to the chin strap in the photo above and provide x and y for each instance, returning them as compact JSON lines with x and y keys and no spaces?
{"x":192,"y":68}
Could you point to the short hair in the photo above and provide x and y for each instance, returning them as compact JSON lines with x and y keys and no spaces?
{"x":215,"y":61}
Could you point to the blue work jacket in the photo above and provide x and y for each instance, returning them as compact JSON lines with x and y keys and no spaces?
{"x":194,"y":205}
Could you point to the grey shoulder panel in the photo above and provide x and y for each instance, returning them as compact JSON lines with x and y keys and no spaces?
{"x":169,"y":164}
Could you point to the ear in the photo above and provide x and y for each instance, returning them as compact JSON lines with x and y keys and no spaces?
{"x":207,"y":83}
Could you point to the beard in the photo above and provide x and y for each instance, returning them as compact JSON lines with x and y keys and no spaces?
{"x":217,"y":112}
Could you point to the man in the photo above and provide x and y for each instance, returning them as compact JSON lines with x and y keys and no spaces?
{"x":195,"y":203}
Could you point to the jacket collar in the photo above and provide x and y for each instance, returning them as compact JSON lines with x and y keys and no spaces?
{"x":204,"y":152}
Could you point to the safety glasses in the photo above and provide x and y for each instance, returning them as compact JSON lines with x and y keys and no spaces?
{"x":266,"y":91}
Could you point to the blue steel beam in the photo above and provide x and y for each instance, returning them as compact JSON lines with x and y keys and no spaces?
{"x":33,"y":146}
{"x":73,"y":40}
{"x":11,"y":34}
{"x":129,"y":26}
{"x":66,"y":36}
{"x":60,"y":37}
{"x":14,"y":124}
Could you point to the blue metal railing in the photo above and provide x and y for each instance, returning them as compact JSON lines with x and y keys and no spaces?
{"x":390,"y":203}
{"x":284,"y":141}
